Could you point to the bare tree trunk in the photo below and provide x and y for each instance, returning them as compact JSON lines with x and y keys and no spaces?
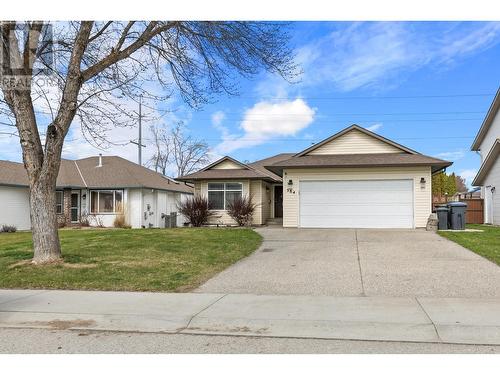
{"x":201,"y":57}
{"x":44,"y":222}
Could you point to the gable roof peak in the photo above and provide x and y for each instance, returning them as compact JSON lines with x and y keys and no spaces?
{"x":222,"y":159}
{"x":358,"y":128}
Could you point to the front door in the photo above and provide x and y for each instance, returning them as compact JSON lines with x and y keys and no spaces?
{"x":278,"y":201}
{"x":75,"y":207}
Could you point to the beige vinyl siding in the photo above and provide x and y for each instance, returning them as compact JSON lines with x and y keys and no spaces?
{"x":252,"y":188}
{"x":197,"y":188}
{"x":422,"y":197}
{"x":256,"y":196}
{"x":266,"y":201}
{"x":227,"y":164}
{"x":355,"y":142}
{"x":221,"y":217}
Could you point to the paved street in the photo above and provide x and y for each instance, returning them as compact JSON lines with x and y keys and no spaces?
{"x":82,"y":341}
{"x":358,"y":262}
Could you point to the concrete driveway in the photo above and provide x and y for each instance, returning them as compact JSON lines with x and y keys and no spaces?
{"x":358,"y":262}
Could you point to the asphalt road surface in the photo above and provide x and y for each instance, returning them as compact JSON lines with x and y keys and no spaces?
{"x":15,"y":340}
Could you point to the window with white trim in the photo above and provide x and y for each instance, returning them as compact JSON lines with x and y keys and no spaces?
{"x":220,"y":194}
{"x":59,"y":202}
{"x":106,"y":201}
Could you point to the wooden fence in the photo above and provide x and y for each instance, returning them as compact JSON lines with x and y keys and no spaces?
{"x":475,"y":209}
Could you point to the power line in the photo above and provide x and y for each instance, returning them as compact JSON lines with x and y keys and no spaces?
{"x":369,"y":97}
{"x":349,"y":114}
{"x":367,"y":120}
{"x":309,"y":139}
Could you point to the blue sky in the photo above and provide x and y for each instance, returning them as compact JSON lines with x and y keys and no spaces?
{"x":426,"y":85}
{"x":400,"y":79}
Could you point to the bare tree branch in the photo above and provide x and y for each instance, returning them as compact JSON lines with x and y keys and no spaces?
{"x":101,"y":69}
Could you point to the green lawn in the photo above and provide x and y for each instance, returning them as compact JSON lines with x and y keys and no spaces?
{"x":126,"y":259}
{"x":486,"y":244}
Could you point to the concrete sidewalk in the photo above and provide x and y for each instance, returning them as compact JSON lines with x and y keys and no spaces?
{"x":434,"y":320}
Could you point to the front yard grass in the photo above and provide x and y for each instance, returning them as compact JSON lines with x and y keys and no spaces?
{"x":126,"y":259}
{"x":486,"y":244}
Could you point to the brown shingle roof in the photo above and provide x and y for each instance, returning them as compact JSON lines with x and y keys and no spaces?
{"x":68,"y":175}
{"x":115,"y":172}
{"x":358,"y":160}
{"x":261,"y":164}
{"x":12,"y":173}
{"x":255,"y":171}
{"x":223,"y":174}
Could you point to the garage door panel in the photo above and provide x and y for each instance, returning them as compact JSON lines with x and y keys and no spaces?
{"x":356,"y":185}
{"x":382,"y":197}
{"x":347,"y":209}
{"x":356,"y":204}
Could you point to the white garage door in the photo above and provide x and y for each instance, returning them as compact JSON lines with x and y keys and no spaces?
{"x":356,"y":204}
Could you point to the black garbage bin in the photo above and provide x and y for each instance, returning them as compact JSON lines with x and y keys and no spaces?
{"x":457,"y":215}
{"x":442,"y":214}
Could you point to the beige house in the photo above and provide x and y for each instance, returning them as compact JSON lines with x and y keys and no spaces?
{"x":353,"y":179}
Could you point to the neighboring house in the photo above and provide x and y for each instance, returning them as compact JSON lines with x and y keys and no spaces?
{"x":96,"y":189}
{"x":353,"y":179}
{"x":487,"y":144}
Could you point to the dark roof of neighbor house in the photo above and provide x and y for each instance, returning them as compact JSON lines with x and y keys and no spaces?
{"x":115,"y":172}
{"x":488,"y":162}
{"x":359,"y":160}
{"x":488,"y":120}
{"x":253,"y":171}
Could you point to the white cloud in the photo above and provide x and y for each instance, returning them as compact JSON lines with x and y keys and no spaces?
{"x":468,"y":174}
{"x":374,"y":127}
{"x":469,"y":41}
{"x":451,"y":155}
{"x":267,"y":120}
{"x":217,"y":118}
{"x":374,"y":53}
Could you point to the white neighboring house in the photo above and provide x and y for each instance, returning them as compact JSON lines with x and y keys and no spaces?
{"x":99,"y":189}
{"x":487,"y":144}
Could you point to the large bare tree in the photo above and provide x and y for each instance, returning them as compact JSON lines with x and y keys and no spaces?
{"x":175,"y":147}
{"x":162,"y":150}
{"x":188,"y":153}
{"x":101,"y":65}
